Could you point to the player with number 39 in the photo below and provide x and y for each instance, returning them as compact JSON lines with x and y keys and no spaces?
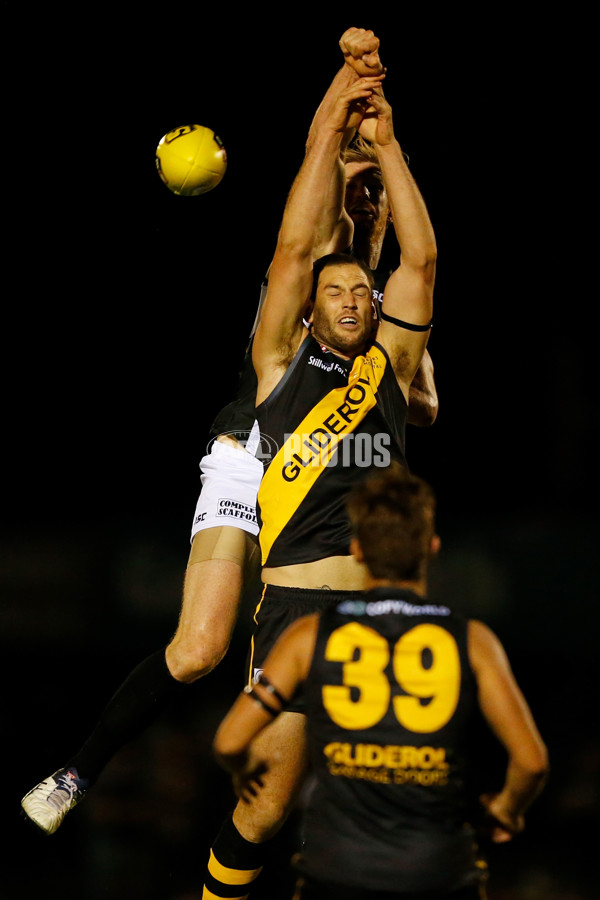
{"x":392,"y":685}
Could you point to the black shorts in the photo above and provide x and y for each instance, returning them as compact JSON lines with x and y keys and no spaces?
{"x":278,"y":608}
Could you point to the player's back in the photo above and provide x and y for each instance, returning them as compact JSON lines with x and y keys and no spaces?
{"x":390,"y":700}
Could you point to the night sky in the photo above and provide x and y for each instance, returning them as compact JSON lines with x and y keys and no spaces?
{"x":127,"y":309}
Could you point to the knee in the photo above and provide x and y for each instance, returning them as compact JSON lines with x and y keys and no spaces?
{"x":188,"y":660}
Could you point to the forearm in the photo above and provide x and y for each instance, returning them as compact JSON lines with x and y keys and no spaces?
{"x":507,"y":713}
{"x":335,"y":228}
{"x":311,"y":198}
{"x":342,"y":79}
{"x":236,"y":732}
{"x":410,"y":217}
{"x":423,"y":401}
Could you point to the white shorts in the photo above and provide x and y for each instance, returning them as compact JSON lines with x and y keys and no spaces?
{"x":230,"y":479}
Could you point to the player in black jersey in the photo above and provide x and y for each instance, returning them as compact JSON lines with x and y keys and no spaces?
{"x":334,"y":402}
{"x":223,"y":553}
{"x":392,"y":685}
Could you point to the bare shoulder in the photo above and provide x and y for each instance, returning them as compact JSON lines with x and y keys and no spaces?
{"x":484,"y":645}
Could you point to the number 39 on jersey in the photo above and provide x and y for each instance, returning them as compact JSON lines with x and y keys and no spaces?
{"x":425,"y":665}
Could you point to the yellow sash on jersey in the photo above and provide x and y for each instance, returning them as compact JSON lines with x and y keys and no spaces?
{"x":303,"y":457}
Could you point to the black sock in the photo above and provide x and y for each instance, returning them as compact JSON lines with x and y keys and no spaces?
{"x":136,"y":704}
{"x":234,"y":864}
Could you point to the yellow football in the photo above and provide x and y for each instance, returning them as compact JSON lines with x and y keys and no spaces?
{"x":191,"y":160}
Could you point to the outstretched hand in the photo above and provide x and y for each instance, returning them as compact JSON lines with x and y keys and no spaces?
{"x":361,"y":51}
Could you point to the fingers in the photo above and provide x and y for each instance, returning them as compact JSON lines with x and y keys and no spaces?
{"x":364,"y":87}
{"x":359,"y":41}
{"x":361,"y":51}
{"x":377,"y":99}
{"x":361,"y":96}
{"x":249,"y":791}
{"x":247,"y":785}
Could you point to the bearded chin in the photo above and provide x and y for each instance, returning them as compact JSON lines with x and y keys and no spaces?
{"x":341,"y":341}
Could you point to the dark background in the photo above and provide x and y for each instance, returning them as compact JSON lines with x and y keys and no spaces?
{"x":126,"y":311}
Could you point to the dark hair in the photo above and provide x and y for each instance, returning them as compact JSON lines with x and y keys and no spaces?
{"x":338,"y":259}
{"x":393,"y":517}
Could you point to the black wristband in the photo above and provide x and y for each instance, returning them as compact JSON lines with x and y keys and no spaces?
{"x":264,"y":681}
{"x":249,"y":690}
{"x":408,"y":325}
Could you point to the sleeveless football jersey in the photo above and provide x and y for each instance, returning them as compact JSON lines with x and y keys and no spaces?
{"x":329,"y":422}
{"x":390,"y":699}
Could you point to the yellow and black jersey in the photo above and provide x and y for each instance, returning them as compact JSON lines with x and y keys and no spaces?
{"x":329,"y":422}
{"x":390,"y":700}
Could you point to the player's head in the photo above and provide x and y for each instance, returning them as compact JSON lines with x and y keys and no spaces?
{"x":393,"y":521}
{"x":366,"y":200}
{"x":343,"y":312}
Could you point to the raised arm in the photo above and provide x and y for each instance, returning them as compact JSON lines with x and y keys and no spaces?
{"x":408,"y":294}
{"x":360,"y":49}
{"x":280,"y":329}
{"x":508,"y":715}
